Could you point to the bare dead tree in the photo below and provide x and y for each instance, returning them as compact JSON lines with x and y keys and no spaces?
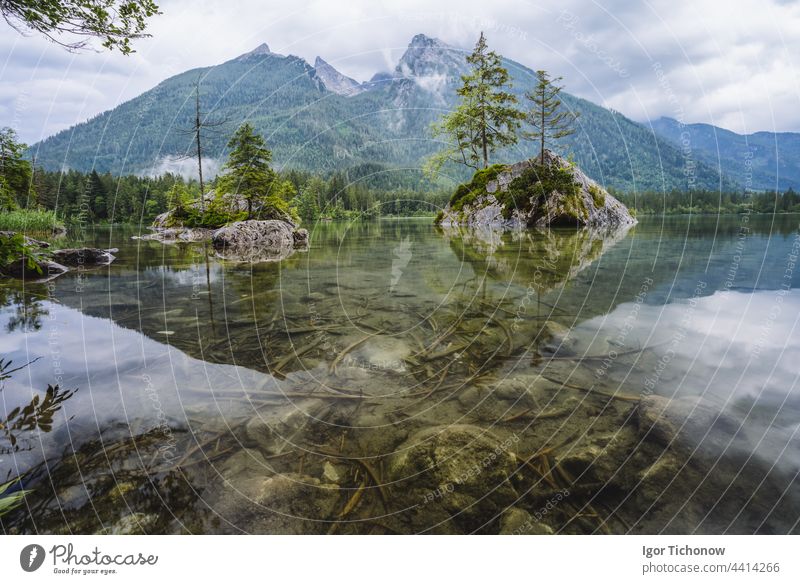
{"x":199,"y":124}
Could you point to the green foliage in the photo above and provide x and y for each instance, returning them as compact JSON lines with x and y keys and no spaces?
{"x":548,"y":118}
{"x":30,"y":221}
{"x":761,"y":161}
{"x":214,"y":215}
{"x":13,"y":248}
{"x":306,"y":202}
{"x":10,"y":501}
{"x":677,"y":202}
{"x":248,"y":172}
{"x":115,"y":22}
{"x":598,"y":196}
{"x":15,"y":172}
{"x":178,"y":198}
{"x":485,"y":119}
{"x":528,"y":191}
{"x":466,"y":193}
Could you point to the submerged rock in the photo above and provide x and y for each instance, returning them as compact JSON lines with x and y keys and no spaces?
{"x":381,"y":352}
{"x":250,"y":497}
{"x":516,"y":521}
{"x":460,"y":469}
{"x":133,"y":524}
{"x":485,"y":203}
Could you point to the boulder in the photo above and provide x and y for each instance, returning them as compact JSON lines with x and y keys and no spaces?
{"x":20,"y":269}
{"x":255,"y":241}
{"x":84,"y":257}
{"x":300,"y":238}
{"x":593,"y":206}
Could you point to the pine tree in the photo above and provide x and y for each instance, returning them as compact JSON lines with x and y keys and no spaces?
{"x":97,"y":196}
{"x":15,"y":170}
{"x":486,"y":118}
{"x":248,"y":172}
{"x":550,"y":121}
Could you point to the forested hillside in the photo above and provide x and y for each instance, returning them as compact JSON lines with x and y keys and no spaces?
{"x":312,"y":127}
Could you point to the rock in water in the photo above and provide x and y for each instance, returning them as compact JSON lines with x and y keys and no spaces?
{"x":84,"y":257}
{"x":486,"y":201}
{"x":255,"y":241}
{"x":459,"y":470}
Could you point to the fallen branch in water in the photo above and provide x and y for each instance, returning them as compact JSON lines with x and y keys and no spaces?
{"x":607,"y":355}
{"x":592,"y":390}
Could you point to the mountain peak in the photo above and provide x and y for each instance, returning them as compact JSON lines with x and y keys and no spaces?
{"x":335,"y":81}
{"x":427,"y":57}
{"x":423,"y":40}
{"x":260,"y":50}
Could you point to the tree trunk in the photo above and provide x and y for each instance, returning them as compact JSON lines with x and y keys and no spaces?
{"x":485,"y":149}
{"x":199,"y":151}
{"x":541,"y":153}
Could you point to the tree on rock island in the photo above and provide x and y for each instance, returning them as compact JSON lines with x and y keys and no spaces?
{"x":485,"y":119}
{"x":248,"y":172}
{"x":548,"y":118}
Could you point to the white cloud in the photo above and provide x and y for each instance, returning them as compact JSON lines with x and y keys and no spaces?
{"x":730,"y":67}
{"x":185,"y":167}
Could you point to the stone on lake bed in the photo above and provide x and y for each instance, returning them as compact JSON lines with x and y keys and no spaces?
{"x":516,"y":521}
{"x":381,"y":352}
{"x":454,"y":467}
{"x":133,"y":524}
{"x":251,"y":498}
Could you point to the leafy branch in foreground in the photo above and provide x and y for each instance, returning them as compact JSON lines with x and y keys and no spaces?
{"x":10,"y":501}
{"x":116,"y":22}
{"x":14,"y":247}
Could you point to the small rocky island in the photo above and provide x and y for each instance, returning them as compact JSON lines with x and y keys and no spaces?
{"x":273,"y":238}
{"x":532,"y":194}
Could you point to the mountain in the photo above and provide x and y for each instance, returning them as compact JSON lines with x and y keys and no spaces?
{"x":317,"y":119}
{"x":761,"y":161}
{"x":335,"y":81}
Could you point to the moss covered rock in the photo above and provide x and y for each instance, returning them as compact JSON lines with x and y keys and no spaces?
{"x":534,"y":194}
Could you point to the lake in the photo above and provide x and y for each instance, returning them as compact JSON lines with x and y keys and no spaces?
{"x":397,"y":378}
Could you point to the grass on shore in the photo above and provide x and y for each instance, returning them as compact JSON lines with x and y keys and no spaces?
{"x":30,"y":221}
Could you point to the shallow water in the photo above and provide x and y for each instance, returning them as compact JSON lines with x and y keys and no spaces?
{"x":396,"y":378}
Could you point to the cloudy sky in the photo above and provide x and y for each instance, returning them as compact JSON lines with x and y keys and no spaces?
{"x":698,"y":60}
